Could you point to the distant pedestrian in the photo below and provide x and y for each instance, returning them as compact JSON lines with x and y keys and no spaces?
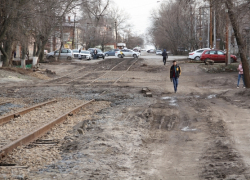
{"x":241,"y":75}
{"x":14,"y":53}
{"x":80,"y":50}
{"x":95,"y":54}
{"x":175,"y":72}
{"x":165,"y":56}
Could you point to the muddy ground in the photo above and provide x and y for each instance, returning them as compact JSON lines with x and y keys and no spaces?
{"x":201,"y":132}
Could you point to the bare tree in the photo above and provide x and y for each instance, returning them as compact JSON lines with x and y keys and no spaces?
{"x":242,"y":51}
{"x":93,"y":19}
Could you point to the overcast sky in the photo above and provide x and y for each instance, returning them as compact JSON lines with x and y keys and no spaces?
{"x":139,"y":11}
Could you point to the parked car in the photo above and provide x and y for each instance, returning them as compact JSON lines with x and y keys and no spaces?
{"x":65,"y":53}
{"x":130,"y":53}
{"x":75,"y":53}
{"x":85,"y":55}
{"x":111,"y":52}
{"x":138,"y":51}
{"x":100,"y":54}
{"x":151,"y":51}
{"x":195,"y":55}
{"x":158,"y":52}
{"x":216,"y":56}
{"x":119,"y":54}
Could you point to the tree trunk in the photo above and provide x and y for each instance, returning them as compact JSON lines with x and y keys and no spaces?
{"x":60,"y":50}
{"x":34,"y":50}
{"x":6,"y":51}
{"x":240,"y":42}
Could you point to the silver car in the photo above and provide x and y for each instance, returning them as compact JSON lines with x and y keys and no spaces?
{"x":65,"y":53}
{"x":75,"y":53}
{"x":85,"y":55}
{"x":130,"y":53}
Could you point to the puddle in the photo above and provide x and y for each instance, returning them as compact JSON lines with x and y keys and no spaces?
{"x":211,"y":96}
{"x":172,"y":100}
{"x":187,"y":129}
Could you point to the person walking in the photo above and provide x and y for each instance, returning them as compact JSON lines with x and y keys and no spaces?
{"x":165,"y":56}
{"x":95,"y":54}
{"x":175,"y":72}
{"x":80,"y":50}
{"x":241,"y":75}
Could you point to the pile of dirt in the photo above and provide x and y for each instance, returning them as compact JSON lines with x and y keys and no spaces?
{"x":219,"y":68}
{"x":27,"y":72}
{"x":18,"y":70}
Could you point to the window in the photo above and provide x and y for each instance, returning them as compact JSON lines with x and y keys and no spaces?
{"x":56,"y":51}
{"x":220,"y":52}
{"x":64,"y":51}
{"x":85,"y":52}
{"x":207,"y":52}
{"x":212,"y":52}
{"x":200,"y":51}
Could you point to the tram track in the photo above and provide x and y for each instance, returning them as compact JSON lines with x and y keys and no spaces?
{"x":35,"y":123}
{"x":31,"y":125}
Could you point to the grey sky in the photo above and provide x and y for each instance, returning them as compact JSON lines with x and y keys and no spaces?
{"x":139,"y":11}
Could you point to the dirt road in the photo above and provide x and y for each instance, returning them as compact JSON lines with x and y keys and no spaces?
{"x":201,"y":132}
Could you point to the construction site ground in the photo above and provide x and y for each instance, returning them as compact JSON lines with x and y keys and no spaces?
{"x":200,"y":132}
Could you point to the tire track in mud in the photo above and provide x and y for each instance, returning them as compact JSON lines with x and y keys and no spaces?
{"x":192,"y":116}
{"x":220,"y":159}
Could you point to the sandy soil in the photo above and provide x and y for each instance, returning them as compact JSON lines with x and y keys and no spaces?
{"x":201,"y":132}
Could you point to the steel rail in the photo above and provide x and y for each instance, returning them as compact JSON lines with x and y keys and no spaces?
{"x":26,"y":139}
{"x":2,"y":103}
{"x":105,"y":73}
{"x":125,"y":72}
{"x":7,"y":118}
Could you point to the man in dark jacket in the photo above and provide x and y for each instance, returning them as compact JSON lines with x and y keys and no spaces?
{"x":95,"y":54}
{"x":175,"y":72}
{"x":165,"y":56}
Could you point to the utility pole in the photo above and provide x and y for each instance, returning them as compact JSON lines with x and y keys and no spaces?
{"x":211,"y":25}
{"x":229,"y":43}
{"x":73,"y":40}
{"x":208,"y":30}
{"x":227,"y":34}
{"x":200,"y":29}
{"x":116,"y":34}
{"x":214,"y":29}
{"x":203,"y":26}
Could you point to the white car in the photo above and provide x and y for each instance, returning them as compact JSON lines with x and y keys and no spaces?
{"x":65,"y":53}
{"x":158,"y":52}
{"x":85,"y":55}
{"x":196,"y":55}
{"x":130,"y":53}
{"x":119,"y":54}
{"x":75,"y":53}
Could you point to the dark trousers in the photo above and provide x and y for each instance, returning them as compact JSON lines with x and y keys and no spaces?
{"x":175,"y":82}
{"x":164,"y":60}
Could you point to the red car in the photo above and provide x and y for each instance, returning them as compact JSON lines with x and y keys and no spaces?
{"x":216,"y":56}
